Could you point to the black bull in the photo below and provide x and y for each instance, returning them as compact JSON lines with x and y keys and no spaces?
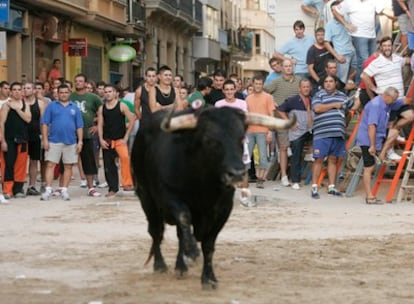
{"x":186,"y":176}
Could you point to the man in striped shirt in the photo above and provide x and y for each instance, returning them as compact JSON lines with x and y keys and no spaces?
{"x":328,"y":106}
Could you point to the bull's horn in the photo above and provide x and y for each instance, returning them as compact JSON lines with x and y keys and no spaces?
{"x":187,"y":121}
{"x":269,"y":121}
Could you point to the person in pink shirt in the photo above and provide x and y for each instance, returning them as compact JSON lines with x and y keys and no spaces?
{"x":230,"y":100}
{"x":55,"y":72}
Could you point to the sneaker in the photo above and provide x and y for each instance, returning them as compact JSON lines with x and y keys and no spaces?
{"x":45,"y":196}
{"x":295,"y":186}
{"x":96,"y":183}
{"x":7,"y":196}
{"x":3,"y":200}
{"x":247,"y":202}
{"x":92,"y":192}
{"x":19,"y":195}
{"x":65,"y":196}
{"x":32,"y":191}
{"x":57,"y":192}
{"x":334,"y":191}
{"x":110,"y":194}
{"x":401,"y":139}
{"x":391,"y":155}
{"x":260,"y":184}
{"x":83,"y":183}
{"x":308,"y":157}
{"x":315,"y":194}
{"x":285,"y":181}
{"x":103,"y":185}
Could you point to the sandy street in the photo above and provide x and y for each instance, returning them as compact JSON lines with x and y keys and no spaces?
{"x":290,"y":249}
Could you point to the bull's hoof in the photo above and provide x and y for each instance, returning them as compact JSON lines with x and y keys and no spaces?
{"x":209,"y":285}
{"x":160,"y":268}
{"x":181,"y":273}
{"x":191,"y":249}
{"x":190,"y":261}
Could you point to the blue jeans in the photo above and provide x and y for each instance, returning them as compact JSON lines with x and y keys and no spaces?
{"x":344,"y":68}
{"x":296,"y":158}
{"x":364,"y":48}
{"x":260,"y":140}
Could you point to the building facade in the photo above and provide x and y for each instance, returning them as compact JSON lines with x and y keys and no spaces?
{"x":257,"y":15}
{"x":40,"y":31}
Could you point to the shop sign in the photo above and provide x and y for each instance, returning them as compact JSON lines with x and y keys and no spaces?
{"x":122,"y":53}
{"x":4,"y":11}
{"x":78,"y":47}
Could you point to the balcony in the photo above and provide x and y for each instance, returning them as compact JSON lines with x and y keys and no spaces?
{"x":137,"y":17}
{"x":180,"y":14}
{"x":198,"y":12}
{"x":257,"y":20}
{"x":224,"y":40}
{"x":107,"y":16}
{"x":206,"y":49}
{"x":240,"y":43}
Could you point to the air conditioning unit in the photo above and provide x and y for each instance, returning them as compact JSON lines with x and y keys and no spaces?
{"x":139,"y":22}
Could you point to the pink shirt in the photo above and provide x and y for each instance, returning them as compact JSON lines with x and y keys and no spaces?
{"x":237,"y":103}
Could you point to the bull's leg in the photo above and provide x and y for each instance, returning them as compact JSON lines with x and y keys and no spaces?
{"x":208,"y":278}
{"x":156,"y":230}
{"x":183,"y":220}
{"x":181,"y":268}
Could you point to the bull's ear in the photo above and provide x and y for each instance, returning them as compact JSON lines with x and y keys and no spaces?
{"x":182,"y":122}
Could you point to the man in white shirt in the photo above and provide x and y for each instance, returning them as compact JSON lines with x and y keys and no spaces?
{"x":386,"y":70}
{"x":358,"y":16}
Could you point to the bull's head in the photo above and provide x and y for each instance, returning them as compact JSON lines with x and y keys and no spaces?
{"x":220,"y":136}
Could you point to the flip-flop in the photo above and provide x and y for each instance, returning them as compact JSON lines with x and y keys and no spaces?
{"x":373,"y":201}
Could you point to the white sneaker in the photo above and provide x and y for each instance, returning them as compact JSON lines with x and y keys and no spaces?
{"x":103,"y":185}
{"x":245,"y":198}
{"x":309,"y":157}
{"x":65,"y":196}
{"x":295,"y":186}
{"x":391,"y":155}
{"x":401,"y":139}
{"x":285,"y":181}
{"x":3,"y":200}
{"x":45,"y":196}
{"x":83,"y":183}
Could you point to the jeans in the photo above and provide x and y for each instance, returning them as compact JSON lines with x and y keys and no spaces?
{"x":260,"y":140}
{"x":296,"y":158}
{"x":364,"y":47}
{"x":344,"y":68}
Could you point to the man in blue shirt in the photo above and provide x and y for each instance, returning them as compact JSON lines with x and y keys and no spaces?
{"x":62,"y":135}
{"x":276,"y":72}
{"x":296,"y":49}
{"x":372,"y":132}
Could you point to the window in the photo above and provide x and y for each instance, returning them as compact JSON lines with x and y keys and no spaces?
{"x":257,"y":43}
{"x":92,"y":65}
{"x":212,"y":24}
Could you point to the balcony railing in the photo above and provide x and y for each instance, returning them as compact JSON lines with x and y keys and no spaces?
{"x":138,"y":13}
{"x":172,"y":3}
{"x":198,"y":11}
{"x":186,"y":6}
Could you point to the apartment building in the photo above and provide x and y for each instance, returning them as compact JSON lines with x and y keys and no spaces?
{"x":78,"y":32}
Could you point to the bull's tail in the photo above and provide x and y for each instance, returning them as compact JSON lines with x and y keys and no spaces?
{"x":150,"y":255}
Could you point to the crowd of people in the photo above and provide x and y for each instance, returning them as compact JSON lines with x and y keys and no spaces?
{"x":346,"y":66}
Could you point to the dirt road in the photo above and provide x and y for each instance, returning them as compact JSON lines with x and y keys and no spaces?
{"x":290,"y":249}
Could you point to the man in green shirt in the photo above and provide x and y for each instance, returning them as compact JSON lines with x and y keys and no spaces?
{"x":88,"y":104}
{"x":196,"y":100}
